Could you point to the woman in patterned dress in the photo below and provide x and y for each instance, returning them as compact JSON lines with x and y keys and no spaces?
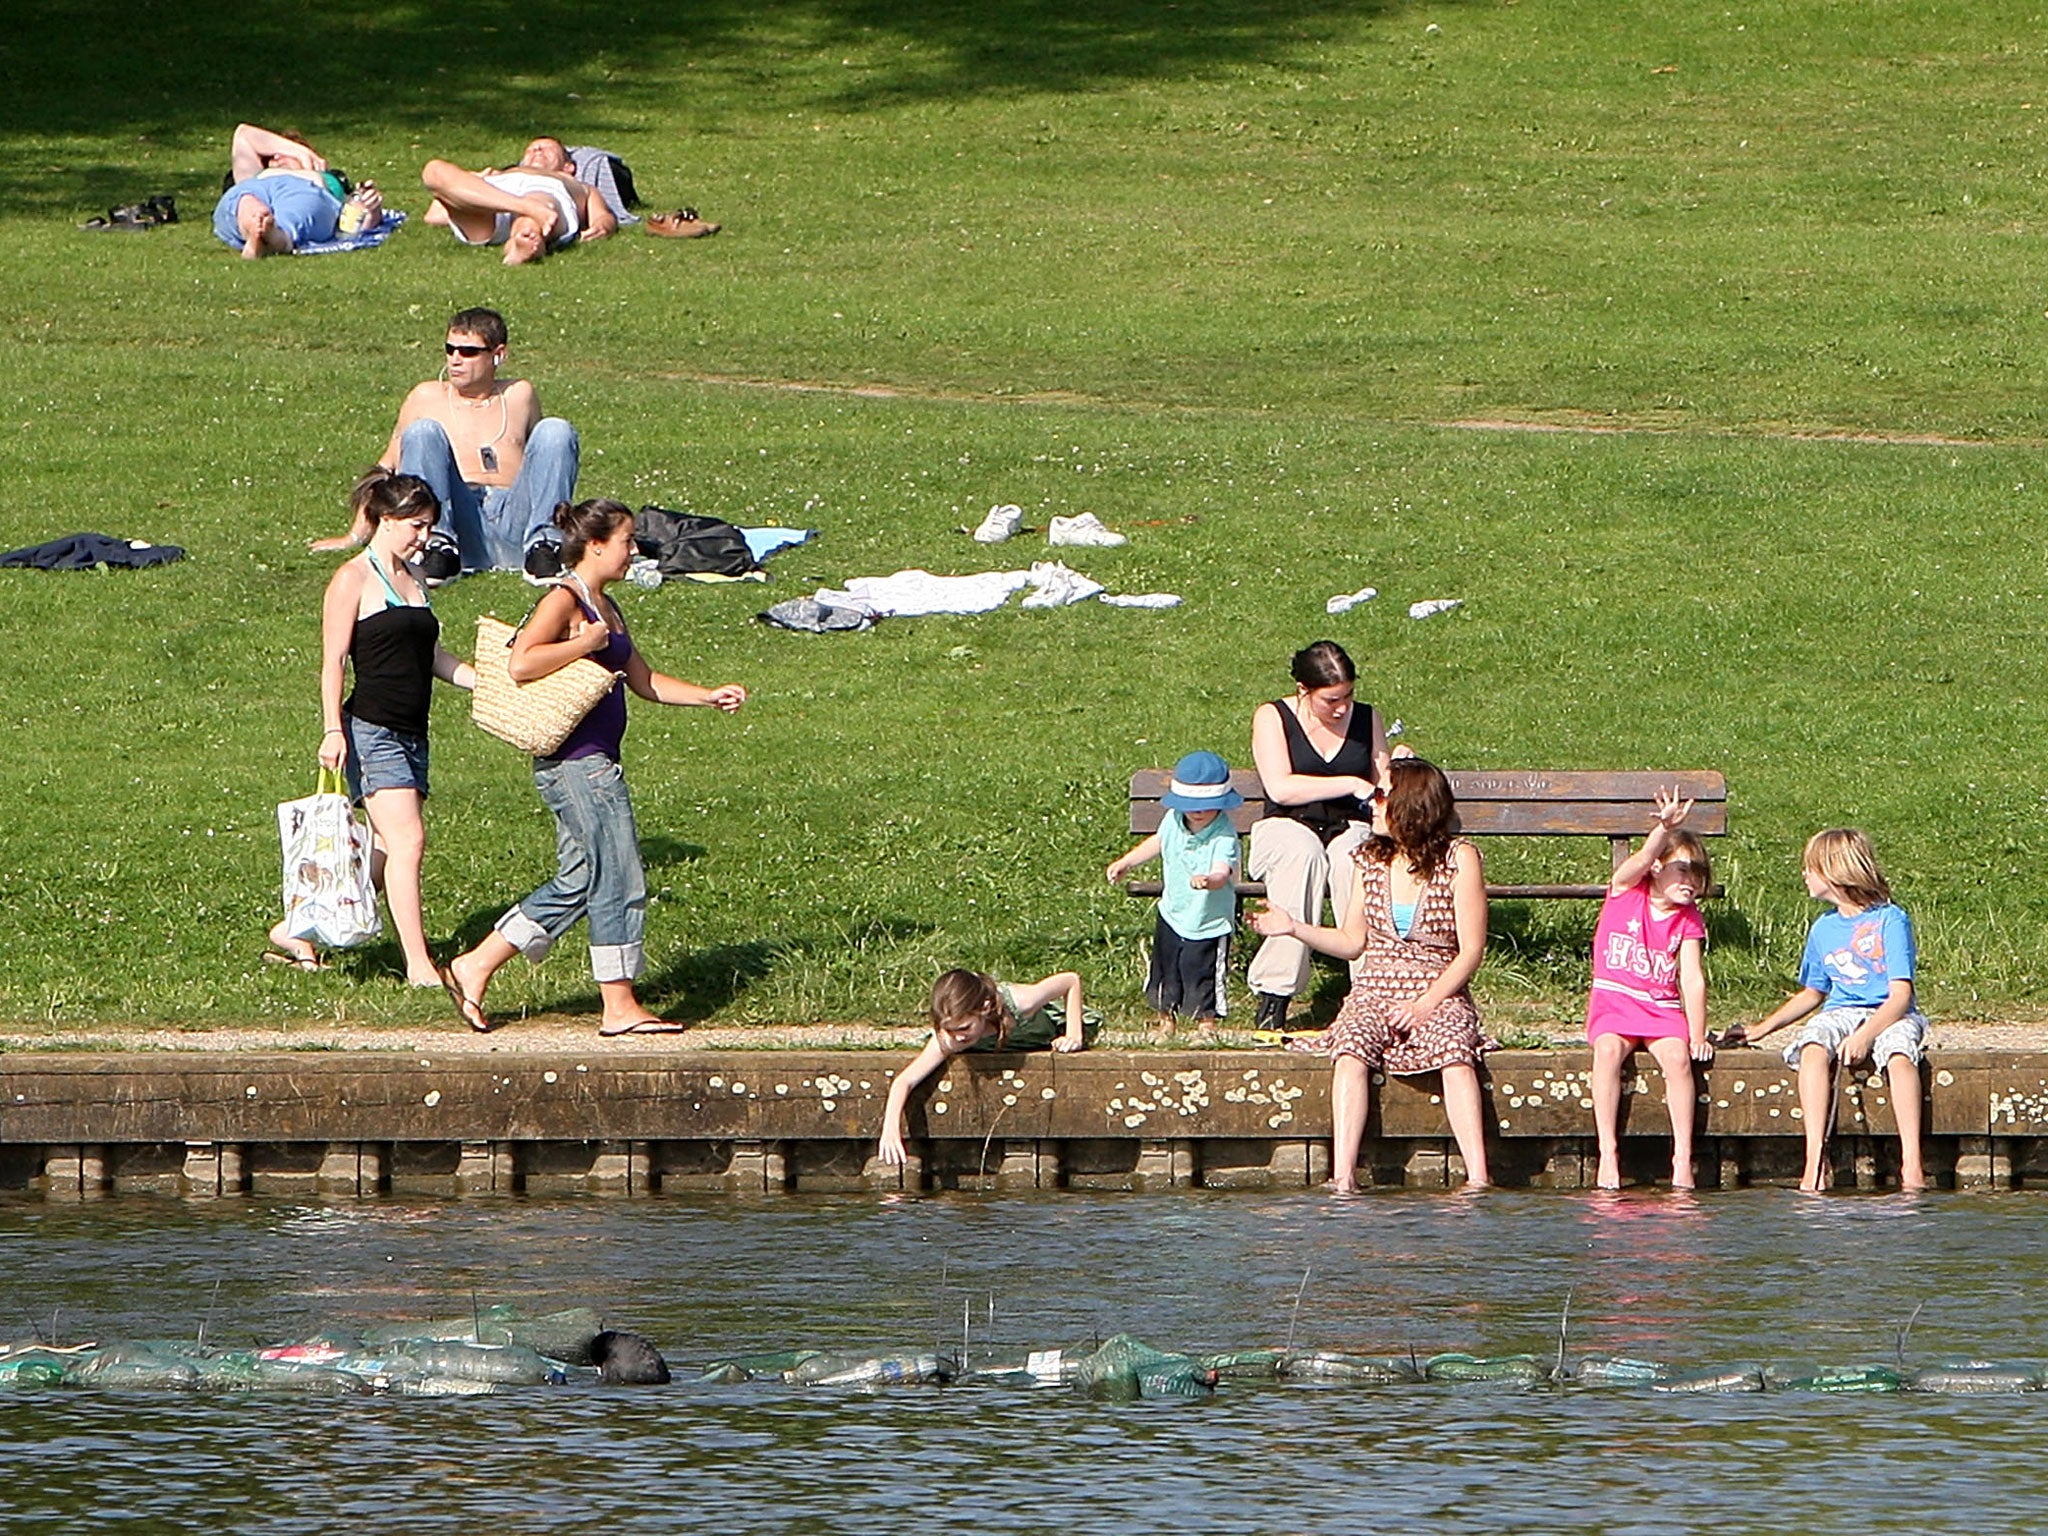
{"x":1416,"y":925}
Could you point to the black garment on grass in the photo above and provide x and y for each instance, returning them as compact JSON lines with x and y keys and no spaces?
{"x":682,"y":543}
{"x":83,"y":551}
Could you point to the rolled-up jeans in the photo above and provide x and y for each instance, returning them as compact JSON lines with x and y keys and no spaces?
{"x":597,"y":875}
{"x":495,"y":525}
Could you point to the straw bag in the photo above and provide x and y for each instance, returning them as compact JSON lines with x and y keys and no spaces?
{"x":535,"y":717}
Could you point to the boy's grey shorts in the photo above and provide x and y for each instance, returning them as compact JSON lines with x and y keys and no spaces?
{"x":1831,"y":1026}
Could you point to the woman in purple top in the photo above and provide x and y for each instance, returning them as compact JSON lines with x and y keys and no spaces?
{"x":598,"y":848}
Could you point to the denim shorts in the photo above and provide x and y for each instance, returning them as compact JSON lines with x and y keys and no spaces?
{"x":1831,"y":1026}
{"x":381,"y":758}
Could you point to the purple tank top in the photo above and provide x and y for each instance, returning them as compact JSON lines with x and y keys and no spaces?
{"x":600,"y":733}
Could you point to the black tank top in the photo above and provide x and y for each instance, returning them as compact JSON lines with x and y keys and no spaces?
{"x":1353,"y":759}
{"x":393,"y":656}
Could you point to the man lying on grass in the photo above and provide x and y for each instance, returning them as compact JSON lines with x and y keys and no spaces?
{"x":529,"y":212}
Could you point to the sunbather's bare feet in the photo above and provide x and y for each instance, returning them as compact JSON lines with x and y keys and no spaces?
{"x":258,"y":228}
{"x":527,"y":240}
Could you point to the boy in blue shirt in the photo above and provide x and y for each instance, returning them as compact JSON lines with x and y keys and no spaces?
{"x":1858,"y":970}
{"x":1198,"y":853}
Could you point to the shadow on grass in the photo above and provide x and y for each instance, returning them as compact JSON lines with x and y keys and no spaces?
{"x":124,"y":72}
{"x":699,"y":982}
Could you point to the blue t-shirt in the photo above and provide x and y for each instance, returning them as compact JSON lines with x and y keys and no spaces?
{"x":1188,"y":912}
{"x":1855,"y":960}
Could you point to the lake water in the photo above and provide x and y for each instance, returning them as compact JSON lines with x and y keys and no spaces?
{"x":1751,"y":1275}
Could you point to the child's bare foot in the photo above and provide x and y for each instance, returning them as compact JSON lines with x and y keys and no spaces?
{"x":1609,"y":1175}
{"x":1162,"y":1026}
{"x":1682,"y":1179}
{"x":1912,"y":1178}
{"x":1204,"y":1032}
{"x":1817,"y":1180}
{"x":1342,"y":1186}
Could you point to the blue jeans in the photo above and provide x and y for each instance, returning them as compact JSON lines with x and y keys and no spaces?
{"x":598,"y":874}
{"x":495,"y":525}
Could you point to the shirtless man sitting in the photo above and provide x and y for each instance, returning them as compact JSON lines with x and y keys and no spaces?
{"x":527,"y":210}
{"x":482,"y":445}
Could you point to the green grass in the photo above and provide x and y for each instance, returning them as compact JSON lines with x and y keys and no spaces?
{"x":1223,"y":275}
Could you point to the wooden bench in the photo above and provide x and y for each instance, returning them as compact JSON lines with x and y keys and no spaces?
{"x":1501,"y":803}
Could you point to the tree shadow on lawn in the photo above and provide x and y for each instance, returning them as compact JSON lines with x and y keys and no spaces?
{"x":699,"y":982}
{"x":132,"y":71}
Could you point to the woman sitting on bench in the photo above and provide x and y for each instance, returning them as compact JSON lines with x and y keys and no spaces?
{"x":1322,"y":757}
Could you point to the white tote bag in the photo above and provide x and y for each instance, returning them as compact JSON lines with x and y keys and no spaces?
{"x":328,"y":894}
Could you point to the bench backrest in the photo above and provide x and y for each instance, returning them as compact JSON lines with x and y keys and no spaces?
{"x":1513,"y":803}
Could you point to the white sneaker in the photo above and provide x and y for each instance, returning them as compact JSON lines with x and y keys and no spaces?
{"x":1085,"y":530}
{"x":1000,"y":523}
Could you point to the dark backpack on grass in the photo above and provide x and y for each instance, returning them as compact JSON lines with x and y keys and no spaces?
{"x":683,"y":544}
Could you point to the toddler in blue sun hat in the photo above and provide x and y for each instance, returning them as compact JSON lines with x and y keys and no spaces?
{"x":1198,"y":853}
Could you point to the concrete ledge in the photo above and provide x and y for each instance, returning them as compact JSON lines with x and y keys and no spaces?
{"x":358,"y":1124}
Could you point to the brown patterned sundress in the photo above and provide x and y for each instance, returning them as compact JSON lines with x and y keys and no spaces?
{"x":1394,"y":970}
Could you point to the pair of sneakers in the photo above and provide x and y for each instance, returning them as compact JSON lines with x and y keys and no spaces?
{"x":441,"y":562}
{"x":1086,"y":530}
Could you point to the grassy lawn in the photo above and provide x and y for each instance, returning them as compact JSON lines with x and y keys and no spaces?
{"x":1230,"y":277}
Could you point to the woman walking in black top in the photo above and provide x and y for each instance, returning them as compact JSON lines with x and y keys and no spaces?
{"x":375,"y":619}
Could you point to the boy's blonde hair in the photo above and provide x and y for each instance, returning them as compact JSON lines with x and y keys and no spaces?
{"x":1681,"y":844}
{"x":963,"y":998}
{"x":1843,"y":857}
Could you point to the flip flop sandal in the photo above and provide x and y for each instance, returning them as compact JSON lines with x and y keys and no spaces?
{"x":467,"y":1008}
{"x":683,"y":224}
{"x":646,"y":1026}
{"x":296,"y":962}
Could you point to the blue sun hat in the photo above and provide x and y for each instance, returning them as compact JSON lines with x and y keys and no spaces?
{"x":1201,"y":782}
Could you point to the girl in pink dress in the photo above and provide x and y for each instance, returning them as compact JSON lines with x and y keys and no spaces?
{"x":1649,"y":989}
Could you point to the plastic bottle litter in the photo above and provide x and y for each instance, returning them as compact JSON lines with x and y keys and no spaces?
{"x":1618,"y":1371}
{"x":1519,"y":1370}
{"x":888,"y":1371}
{"x":1328,"y":1365}
{"x":1966,"y":1377}
{"x":1731,"y":1378}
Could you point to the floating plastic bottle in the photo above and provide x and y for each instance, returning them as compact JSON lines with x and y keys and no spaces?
{"x":1515,"y":1370}
{"x":1728,"y":1378}
{"x":1969,"y":1377}
{"x":1327,"y":1365}
{"x":887,"y":1371}
{"x":1618,"y":1371}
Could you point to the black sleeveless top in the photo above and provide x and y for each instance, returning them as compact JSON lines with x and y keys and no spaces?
{"x":393,"y":656}
{"x":1353,"y":759}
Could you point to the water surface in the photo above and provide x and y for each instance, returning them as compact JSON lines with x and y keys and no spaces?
{"x":1765,"y":1275}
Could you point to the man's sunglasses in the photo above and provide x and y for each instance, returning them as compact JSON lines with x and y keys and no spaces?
{"x":463,"y":349}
